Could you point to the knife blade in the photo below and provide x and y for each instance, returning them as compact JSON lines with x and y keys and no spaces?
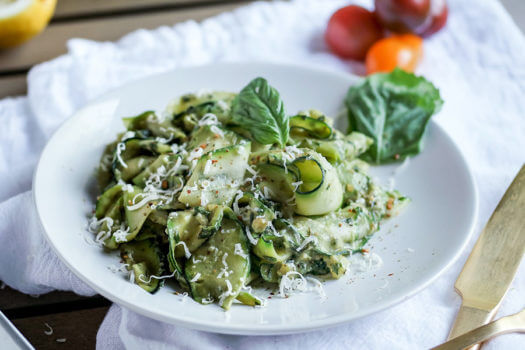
{"x":493,"y":262}
{"x":10,"y":337}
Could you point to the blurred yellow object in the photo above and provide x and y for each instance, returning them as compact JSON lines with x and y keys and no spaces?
{"x":20,"y":20}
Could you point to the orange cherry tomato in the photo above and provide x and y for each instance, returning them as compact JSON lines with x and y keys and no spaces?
{"x":403,"y":51}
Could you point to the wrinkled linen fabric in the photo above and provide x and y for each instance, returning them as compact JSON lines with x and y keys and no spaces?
{"x":476,"y":61}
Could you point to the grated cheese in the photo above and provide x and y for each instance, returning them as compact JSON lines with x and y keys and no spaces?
{"x":128,"y":135}
{"x":289,"y":285}
{"x":306,"y":241}
{"x":224,"y":260}
{"x":235,"y":206}
{"x":94,"y":226}
{"x":163,"y":139}
{"x":251,"y":170}
{"x":208,"y":119}
{"x":296,"y":185}
{"x":299,"y":283}
{"x":120,"y":147}
{"x":153,"y":187}
{"x":121,"y":235}
{"x":187,"y":252}
{"x":252,"y":239}
{"x":267,"y":193}
{"x":141,"y":277}
{"x":238,"y":251}
{"x":49,"y":330}
{"x":227,"y":293}
{"x":223,"y":105}
{"x":196,"y":277}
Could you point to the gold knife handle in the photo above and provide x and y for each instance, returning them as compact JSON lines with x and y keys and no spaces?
{"x":469,"y":318}
{"x":509,"y":324}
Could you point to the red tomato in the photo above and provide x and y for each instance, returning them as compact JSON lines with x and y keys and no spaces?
{"x":402,"y":15}
{"x":422,"y":17}
{"x":403,"y":51}
{"x":351,"y":31}
{"x":439,"y":18}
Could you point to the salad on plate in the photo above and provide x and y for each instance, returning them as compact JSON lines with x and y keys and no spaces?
{"x":221,"y":190}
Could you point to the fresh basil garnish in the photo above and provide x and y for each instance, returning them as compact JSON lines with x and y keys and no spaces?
{"x":258,"y":108}
{"x":393,"y":109}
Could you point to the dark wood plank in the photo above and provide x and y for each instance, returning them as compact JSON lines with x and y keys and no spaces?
{"x":11,"y":299}
{"x":17,"y":305}
{"x":77,"y":328}
{"x":13,"y":85}
{"x":76,"y":8}
{"x":52,"y":42}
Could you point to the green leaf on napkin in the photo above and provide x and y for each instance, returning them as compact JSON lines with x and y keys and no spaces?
{"x":393,"y":109}
{"x":258,"y":108}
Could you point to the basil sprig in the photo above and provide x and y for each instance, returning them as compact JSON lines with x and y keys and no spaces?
{"x":394,"y":110}
{"x":258,"y":108}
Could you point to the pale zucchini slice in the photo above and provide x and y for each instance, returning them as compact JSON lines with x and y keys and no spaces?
{"x":216,"y":177}
{"x":320,"y":191}
{"x":144,"y":259}
{"x":135,"y":217}
{"x":219,"y":269}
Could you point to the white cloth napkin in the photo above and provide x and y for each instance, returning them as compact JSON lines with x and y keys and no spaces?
{"x":477,"y":62}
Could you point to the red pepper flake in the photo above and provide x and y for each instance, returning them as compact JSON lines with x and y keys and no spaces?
{"x":390,"y":274}
{"x":390,"y":203}
{"x":203,"y":146}
{"x":164,"y":184}
{"x":189,"y":191}
{"x":269,"y":297}
{"x":365,"y":251}
{"x":239,"y":217}
{"x":216,"y":192}
{"x":340,"y":225}
{"x":350,"y":210}
{"x":396,"y":156}
{"x":216,"y":136}
{"x":213,"y":161}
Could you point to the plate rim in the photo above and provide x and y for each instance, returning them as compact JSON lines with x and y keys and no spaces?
{"x":259,"y":329}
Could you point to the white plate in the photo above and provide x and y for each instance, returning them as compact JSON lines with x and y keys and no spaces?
{"x":415,"y":247}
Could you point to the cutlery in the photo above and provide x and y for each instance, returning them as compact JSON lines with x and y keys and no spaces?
{"x":508,"y":324}
{"x":10,"y":337}
{"x":493,"y":262}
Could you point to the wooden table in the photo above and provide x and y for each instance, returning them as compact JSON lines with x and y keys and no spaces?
{"x":75,"y":318}
{"x":103,"y":20}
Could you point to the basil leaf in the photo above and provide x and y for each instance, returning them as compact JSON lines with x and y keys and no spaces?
{"x":258,"y":108}
{"x":393,"y":109}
